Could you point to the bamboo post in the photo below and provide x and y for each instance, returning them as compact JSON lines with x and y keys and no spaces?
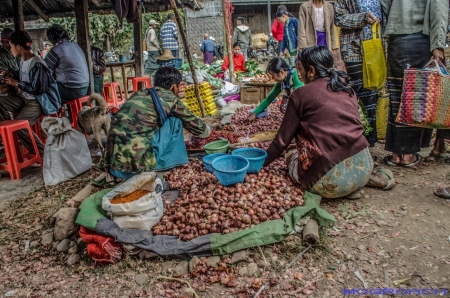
{"x":189,"y":56}
{"x":229,"y":42}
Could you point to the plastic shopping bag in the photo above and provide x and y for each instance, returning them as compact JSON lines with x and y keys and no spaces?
{"x":374,"y":62}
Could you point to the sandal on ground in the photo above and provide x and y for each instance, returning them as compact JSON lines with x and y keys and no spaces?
{"x":418,"y":160}
{"x":432,"y":157}
{"x":444,"y":195}
{"x":354,"y":195}
{"x":388,"y":161}
{"x":390,"y":181}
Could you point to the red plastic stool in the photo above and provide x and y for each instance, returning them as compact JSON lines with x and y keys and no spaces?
{"x":15,"y":158}
{"x":74,"y":107}
{"x":111,"y":96}
{"x":136,"y":80}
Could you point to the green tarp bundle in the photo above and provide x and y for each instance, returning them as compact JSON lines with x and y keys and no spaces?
{"x":93,"y":217}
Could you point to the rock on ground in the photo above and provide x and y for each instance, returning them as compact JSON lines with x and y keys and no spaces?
{"x":65,"y":245}
{"x":73,"y":250}
{"x":187,"y":292}
{"x":252,"y":269}
{"x":64,"y":220}
{"x":239,"y":256}
{"x":73,"y":259}
{"x":168,"y":267}
{"x":34,"y":243}
{"x":193,"y":263}
{"x":141,"y":279}
{"x":213,"y":261}
{"x":47,"y":238}
{"x":181,"y":268}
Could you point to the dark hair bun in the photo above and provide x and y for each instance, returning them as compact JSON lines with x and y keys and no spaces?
{"x":21,"y":38}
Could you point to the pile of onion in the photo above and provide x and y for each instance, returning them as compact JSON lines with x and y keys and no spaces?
{"x":242,"y":127}
{"x":205,"y":206}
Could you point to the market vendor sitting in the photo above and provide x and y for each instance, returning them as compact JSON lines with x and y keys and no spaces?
{"x":332,"y":157}
{"x":238,"y":59}
{"x":286,"y":79}
{"x":147,"y":132}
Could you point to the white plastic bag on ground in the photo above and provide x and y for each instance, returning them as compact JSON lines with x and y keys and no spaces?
{"x":66,"y":153}
{"x":143,"y":213}
{"x":229,"y":89}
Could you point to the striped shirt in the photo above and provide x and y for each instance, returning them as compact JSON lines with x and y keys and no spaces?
{"x":169,"y":35}
{"x":349,"y":16}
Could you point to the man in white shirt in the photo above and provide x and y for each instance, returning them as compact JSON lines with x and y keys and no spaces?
{"x":153,"y":48}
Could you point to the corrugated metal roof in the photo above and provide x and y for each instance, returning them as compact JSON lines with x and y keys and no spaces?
{"x":58,"y":8}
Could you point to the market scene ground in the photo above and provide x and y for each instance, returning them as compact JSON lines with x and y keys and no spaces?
{"x":395,"y":239}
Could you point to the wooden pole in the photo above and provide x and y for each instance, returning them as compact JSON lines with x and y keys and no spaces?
{"x":229,"y":41}
{"x":137,"y":28}
{"x":269,"y":18}
{"x":38,"y":10}
{"x":189,"y":56}
{"x":82,"y":19}
{"x":17,"y":7}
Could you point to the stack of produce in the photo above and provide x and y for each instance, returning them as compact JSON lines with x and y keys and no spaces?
{"x":206,"y":97}
{"x":204,"y":206}
{"x":244,"y":128}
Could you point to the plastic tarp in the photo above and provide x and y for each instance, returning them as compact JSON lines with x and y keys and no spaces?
{"x":91,"y":210}
{"x":268,"y":232}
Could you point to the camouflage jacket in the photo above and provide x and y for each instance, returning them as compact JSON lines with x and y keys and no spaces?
{"x":129,"y":142}
{"x":8,"y":62}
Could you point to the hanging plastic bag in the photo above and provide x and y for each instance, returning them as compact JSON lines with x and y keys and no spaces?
{"x":374,"y":62}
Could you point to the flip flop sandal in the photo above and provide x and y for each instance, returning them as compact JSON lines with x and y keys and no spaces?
{"x":432,"y":157}
{"x":391,"y":181}
{"x":418,"y":159}
{"x":389,"y":162}
{"x":445,"y":194}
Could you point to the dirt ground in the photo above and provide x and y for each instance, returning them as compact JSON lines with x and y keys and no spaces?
{"x":394,"y":239}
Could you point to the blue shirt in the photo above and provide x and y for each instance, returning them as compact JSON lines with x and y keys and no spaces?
{"x":208,"y":46}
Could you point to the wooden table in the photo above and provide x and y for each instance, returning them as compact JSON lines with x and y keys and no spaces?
{"x":122,"y":65}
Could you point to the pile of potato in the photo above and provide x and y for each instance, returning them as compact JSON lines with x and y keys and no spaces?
{"x":263,"y":79}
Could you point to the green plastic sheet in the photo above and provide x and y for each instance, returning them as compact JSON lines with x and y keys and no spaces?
{"x":272,"y":231}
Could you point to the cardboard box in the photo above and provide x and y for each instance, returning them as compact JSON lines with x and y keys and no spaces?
{"x":251,"y":94}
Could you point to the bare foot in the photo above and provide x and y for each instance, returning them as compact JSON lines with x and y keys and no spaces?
{"x":394,"y":159}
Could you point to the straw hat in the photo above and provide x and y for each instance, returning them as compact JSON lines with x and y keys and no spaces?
{"x":167,"y":55}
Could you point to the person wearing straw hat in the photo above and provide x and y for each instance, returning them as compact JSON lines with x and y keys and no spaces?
{"x":165,"y":58}
{"x":153,"y":48}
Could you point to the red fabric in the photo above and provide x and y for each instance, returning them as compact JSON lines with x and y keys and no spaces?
{"x":278,"y":30}
{"x":102,"y":249}
{"x":239,"y":63}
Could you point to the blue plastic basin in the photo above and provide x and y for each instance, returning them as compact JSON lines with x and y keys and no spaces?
{"x":230,"y":169}
{"x":255,"y":157}
{"x":208,"y":159}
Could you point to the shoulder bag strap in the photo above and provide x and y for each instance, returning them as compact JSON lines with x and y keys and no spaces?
{"x":158,"y":106}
